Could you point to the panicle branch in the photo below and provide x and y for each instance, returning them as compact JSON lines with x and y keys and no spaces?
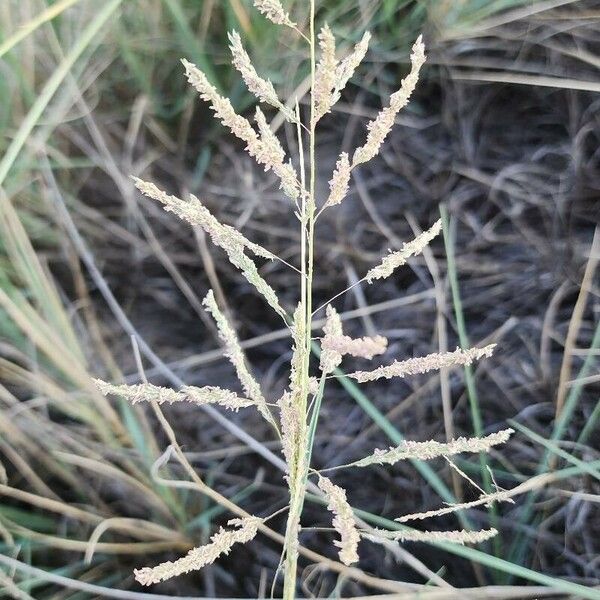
{"x":262,"y":88}
{"x":422,"y":364}
{"x":225,"y":237}
{"x":331,"y":358}
{"x":256,"y":146}
{"x":343,"y":521}
{"x":456,"y":537}
{"x":273,"y":10}
{"x":220,"y":543}
{"x":235,"y":354}
{"x":340,"y":181}
{"x":146,"y":392}
{"x":379,"y":128}
{"x":396,"y":259}
{"x":431,"y":449}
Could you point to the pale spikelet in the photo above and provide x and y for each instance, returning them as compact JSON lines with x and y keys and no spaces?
{"x":339,"y":183}
{"x":379,"y":128}
{"x":220,"y":543}
{"x":456,"y":537}
{"x":345,"y":69}
{"x":240,"y":127}
{"x":272,"y":156}
{"x":343,"y":521}
{"x":325,"y":73}
{"x":331,"y":359}
{"x":262,"y":88}
{"x":431,"y":449}
{"x":484,"y":499}
{"x":396,"y":259}
{"x":146,"y":392}
{"x":225,"y":237}
{"x":364,"y":347}
{"x":423,"y":364}
{"x":235,"y":354}
{"x":195,"y":213}
{"x":273,"y":10}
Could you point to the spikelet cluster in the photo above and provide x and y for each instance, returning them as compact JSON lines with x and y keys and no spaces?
{"x":364,"y":347}
{"x":220,"y":543}
{"x":146,"y":392}
{"x":339,"y":182}
{"x":396,"y":259}
{"x":431,"y":449}
{"x":423,"y":364}
{"x":225,"y":237}
{"x":330,"y":358}
{"x":456,"y":537}
{"x":235,"y":354}
{"x":379,"y":128}
{"x":273,"y":10}
{"x":256,"y":146}
{"x":262,"y":88}
{"x":325,"y":73}
{"x":343,"y":521}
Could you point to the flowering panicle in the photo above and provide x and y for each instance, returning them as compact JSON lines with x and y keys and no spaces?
{"x":146,"y":392}
{"x":273,"y":10}
{"x":343,"y":521}
{"x":456,"y":537}
{"x":431,"y":449}
{"x":339,"y":183}
{"x":225,"y":237}
{"x":383,"y":123}
{"x":220,"y":543}
{"x":236,"y":355}
{"x":396,"y":259}
{"x":262,"y":88}
{"x":422,"y":364}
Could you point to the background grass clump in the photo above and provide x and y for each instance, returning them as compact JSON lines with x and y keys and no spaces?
{"x":503,"y":131}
